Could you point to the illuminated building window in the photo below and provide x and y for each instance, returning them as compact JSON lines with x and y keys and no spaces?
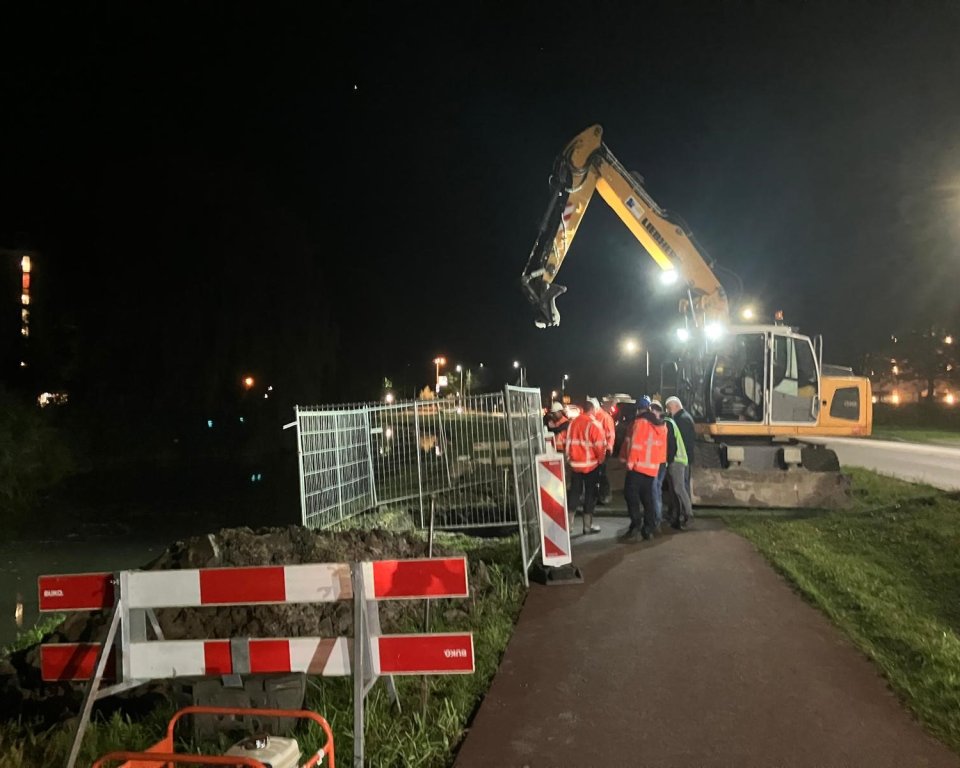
{"x":25,"y":280}
{"x":24,"y":316}
{"x":25,"y":264}
{"x":25,"y":332}
{"x":25,"y":299}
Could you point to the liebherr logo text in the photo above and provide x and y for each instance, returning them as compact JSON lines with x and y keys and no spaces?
{"x":455,"y":653}
{"x":53,"y":593}
{"x":658,"y":238}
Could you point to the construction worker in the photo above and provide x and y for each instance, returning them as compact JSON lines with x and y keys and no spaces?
{"x":586,"y":449}
{"x":676,"y":476}
{"x":689,"y":433}
{"x":557,"y":424}
{"x":644,"y":450}
{"x":610,"y":430}
{"x":657,"y":408}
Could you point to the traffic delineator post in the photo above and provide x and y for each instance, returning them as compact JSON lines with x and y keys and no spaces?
{"x":556,"y":551}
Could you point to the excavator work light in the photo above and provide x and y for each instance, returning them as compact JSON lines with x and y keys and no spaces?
{"x":669,"y":276}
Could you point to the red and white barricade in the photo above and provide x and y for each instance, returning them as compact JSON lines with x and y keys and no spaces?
{"x":552,"y":507}
{"x":131,"y":659}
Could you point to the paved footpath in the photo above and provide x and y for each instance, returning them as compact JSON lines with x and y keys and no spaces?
{"x":688,"y":651}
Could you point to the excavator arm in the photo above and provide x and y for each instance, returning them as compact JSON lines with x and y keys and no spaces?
{"x":586,"y":166}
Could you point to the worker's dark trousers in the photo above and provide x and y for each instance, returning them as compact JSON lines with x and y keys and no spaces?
{"x":586,"y":484}
{"x":604,"y":481}
{"x":638,"y":491}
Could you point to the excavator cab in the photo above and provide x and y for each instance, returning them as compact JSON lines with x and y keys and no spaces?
{"x":765,"y":375}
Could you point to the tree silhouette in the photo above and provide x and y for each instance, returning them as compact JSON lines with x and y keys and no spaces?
{"x":927,"y":355}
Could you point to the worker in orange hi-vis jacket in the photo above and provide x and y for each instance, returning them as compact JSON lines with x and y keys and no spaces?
{"x":586,"y":450}
{"x":610,"y":430}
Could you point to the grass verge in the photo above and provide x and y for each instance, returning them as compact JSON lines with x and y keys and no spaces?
{"x":887,"y":573}
{"x":434,"y":711}
{"x":911,"y":435}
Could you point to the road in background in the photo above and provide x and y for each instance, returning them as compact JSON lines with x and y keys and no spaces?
{"x":934,"y":465}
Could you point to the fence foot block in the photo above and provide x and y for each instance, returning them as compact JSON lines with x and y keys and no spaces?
{"x":556,"y":576}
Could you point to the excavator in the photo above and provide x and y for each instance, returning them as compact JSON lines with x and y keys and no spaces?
{"x":757,"y":392}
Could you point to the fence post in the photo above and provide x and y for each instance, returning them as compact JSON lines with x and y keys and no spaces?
{"x":303,"y":493}
{"x":416,"y":428}
{"x":373,"y":484}
{"x":336,"y":458}
{"x":507,"y":411}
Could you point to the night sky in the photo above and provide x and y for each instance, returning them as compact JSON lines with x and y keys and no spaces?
{"x":331,"y":198}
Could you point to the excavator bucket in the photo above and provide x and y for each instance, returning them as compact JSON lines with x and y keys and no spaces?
{"x":816,"y":484}
{"x":770,"y":489}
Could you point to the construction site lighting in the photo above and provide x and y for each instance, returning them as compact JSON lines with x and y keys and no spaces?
{"x":683,"y":334}
{"x":669,"y":276}
{"x":747,"y":313}
{"x":630,"y":346}
{"x":713,"y":330}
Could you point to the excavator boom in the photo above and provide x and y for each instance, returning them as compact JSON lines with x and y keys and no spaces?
{"x":586,"y":166}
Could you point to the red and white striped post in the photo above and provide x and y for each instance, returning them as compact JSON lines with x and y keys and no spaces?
{"x":556,"y":552}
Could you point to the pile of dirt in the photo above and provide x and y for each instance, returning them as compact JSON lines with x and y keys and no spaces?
{"x":23,"y":693}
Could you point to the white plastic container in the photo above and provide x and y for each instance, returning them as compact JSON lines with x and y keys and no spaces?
{"x":272,"y":751}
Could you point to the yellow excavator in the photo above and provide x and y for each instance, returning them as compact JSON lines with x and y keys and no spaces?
{"x":756,"y":391}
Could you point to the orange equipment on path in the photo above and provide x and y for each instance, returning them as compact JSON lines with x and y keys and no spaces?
{"x":162,"y":754}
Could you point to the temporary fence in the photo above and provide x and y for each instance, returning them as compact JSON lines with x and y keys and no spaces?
{"x":129,"y":658}
{"x":525,"y":429}
{"x":462,"y":458}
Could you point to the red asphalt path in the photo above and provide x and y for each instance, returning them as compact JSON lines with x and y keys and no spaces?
{"x":689,"y":651}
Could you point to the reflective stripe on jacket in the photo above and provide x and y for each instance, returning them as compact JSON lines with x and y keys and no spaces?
{"x":680,"y":457}
{"x":586,"y":445}
{"x":648,"y":447}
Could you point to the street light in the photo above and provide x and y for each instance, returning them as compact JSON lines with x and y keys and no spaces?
{"x":438,"y":361}
{"x":683,"y":334}
{"x":460,"y":371}
{"x":248,"y":382}
{"x":630,"y":346}
{"x":747,"y":313}
{"x":563,"y":385}
{"x":518,"y":367}
{"x":948,"y":340}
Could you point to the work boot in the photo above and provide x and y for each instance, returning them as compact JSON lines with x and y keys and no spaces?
{"x":588,"y":526}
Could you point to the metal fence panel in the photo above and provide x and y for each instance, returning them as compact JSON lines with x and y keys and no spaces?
{"x":526,"y":441}
{"x":335,"y":478}
{"x":454,"y":457}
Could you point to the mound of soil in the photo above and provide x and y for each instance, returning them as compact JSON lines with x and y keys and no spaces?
{"x":24,"y":694}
